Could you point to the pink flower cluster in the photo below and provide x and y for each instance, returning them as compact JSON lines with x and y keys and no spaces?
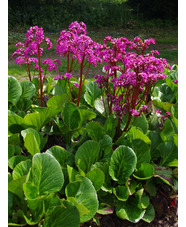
{"x":65,"y":76}
{"x":74,"y":41}
{"x":51,"y":63}
{"x":34,"y":37}
{"x":132,"y":74}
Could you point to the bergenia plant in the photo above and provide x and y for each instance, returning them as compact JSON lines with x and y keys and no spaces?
{"x":79,"y":49}
{"x":32,"y":46}
{"x":129,"y":77}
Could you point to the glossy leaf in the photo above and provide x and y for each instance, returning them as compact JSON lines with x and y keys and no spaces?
{"x":13,"y":161}
{"x":97,"y":178}
{"x":135,"y":133}
{"x":84,"y":192}
{"x":28,"y":89}
{"x":47,"y":173}
{"x":71,"y":116}
{"x":14,"y":90}
{"x":31,"y":144}
{"x":63,"y":216}
{"x":92,"y":93}
{"x":95,"y":131}
{"x":145,"y":171}
{"x":38,"y":119}
{"x":122,"y":164}
{"x":142,"y":123}
{"x":121,"y":192}
{"x":142,"y":152}
{"x":63,"y":156}
{"x":149,"y":214}
{"x":25,"y":132}
{"x":16,"y":186}
{"x":129,"y":210}
{"x":21,"y":169}
{"x":87,"y":155}
{"x":59,"y":100}
{"x":168,"y":152}
{"x":168,"y":130}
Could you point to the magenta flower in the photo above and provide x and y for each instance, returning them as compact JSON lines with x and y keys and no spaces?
{"x":76,"y":85}
{"x":176,"y":81}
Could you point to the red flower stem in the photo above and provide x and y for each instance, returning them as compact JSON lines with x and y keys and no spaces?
{"x":40,"y":76}
{"x":67,"y":62}
{"x":81,"y":80}
{"x":72,"y":61}
{"x":29,"y":73}
{"x":70,"y":90}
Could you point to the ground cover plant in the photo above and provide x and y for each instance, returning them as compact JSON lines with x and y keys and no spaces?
{"x":78,"y":147}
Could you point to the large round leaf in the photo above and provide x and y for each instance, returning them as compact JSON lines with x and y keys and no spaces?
{"x":95,"y":130}
{"x":28,"y":89}
{"x":14,"y":90}
{"x":87,"y":155}
{"x":122,"y":164}
{"x":59,"y":100}
{"x":47,"y":173}
{"x":84,"y":193}
{"x":71,"y":116}
{"x":97,"y":178}
{"x":142,"y":152}
{"x":145,"y":171}
{"x":92,"y":93}
{"x":66,"y":216}
{"x":61,"y":155}
{"x":21,"y":169}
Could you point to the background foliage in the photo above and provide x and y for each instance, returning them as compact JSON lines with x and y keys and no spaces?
{"x":54,"y":14}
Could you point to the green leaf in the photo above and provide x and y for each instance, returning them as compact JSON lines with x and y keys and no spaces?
{"x":28,"y":89}
{"x":13,"y":161}
{"x":51,"y":202}
{"x":63,"y":216}
{"x":92,"y":93}
{"x":135,"y":133}
{"x":16,"y":186}
{"x":59,"y":100}
{"x":145,"y":171}
{"x":155,"y":141}
{"x":61,"y":155}
{"x":105,"y":209}
{"x":13,"y":149}
{"x":87,"y":155}
{"x":14,"y":90}
{"x":142,"y":152}
{"x":141,"y":122}
{"x":72,"y":173}
{"x":37,"y":209}
{"x":84,"y":193}
{"x":47,"y":173}
{"x":31,"y":144}
{"x":25,"y":132}
{"x":81,"y":209}
{"x":60,"y":88}
{"x":95,"y":131}
{"x":97,"y":178}
{"x":122,"y":164}
{"x":110,"y":125}
{"x":168,"y":152}
{"x":71,"y":116}
{"x":173,"y":163}
{"x":30,"y":190}
{"x":39,"y":119}
{"x":129,"y":210}
{"x":164,"y":173}
{"x":149,"y":214}
{"x":168,"y":130}
{"x":121,"y":192}
{"x":87,"y":115}
{"x":98,"y":104}
{"x":14,"y":124}
{"x":21,"y":169}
